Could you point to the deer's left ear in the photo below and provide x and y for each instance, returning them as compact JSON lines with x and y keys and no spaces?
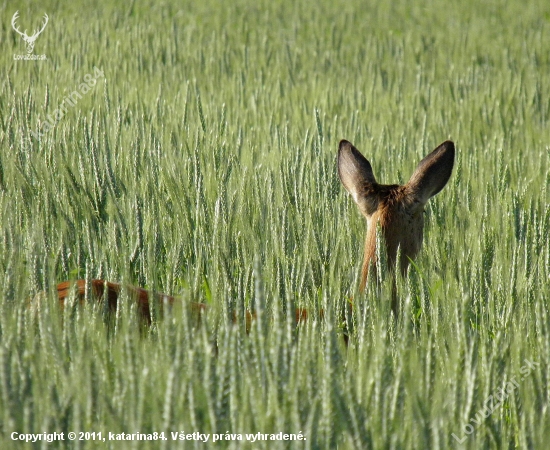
{"x":432,"y":172}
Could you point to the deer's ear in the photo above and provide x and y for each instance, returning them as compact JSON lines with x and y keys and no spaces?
{"x":356,"y":175}
{"x":432,"y":172}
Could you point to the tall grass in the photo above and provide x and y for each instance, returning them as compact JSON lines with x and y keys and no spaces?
{"x":203,"y":164}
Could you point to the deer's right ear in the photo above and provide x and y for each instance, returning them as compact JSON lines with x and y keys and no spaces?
{"x":356,"y":175}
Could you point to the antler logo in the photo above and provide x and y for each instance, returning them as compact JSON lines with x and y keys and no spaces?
{"x":29,"y":40}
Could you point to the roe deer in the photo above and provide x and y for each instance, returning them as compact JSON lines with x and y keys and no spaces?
{"x":109,"y":292}
{"x":398,"y":209}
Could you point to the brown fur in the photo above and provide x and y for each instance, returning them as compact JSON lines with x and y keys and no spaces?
{"x":101,"y":290}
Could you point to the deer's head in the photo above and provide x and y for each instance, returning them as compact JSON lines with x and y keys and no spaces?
{"x":29,"y":40}
{"x":397,"y":209}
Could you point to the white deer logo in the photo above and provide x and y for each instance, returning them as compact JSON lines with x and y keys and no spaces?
{"x":29,"y":40}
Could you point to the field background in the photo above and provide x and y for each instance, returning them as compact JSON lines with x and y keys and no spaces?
{"x":203,"y":164}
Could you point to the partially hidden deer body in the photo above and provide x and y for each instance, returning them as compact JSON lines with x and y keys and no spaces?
{"x":109,"y":292}
{"x":398,"y":210}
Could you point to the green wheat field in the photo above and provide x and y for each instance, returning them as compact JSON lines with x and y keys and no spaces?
{"x":190,"y":148}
